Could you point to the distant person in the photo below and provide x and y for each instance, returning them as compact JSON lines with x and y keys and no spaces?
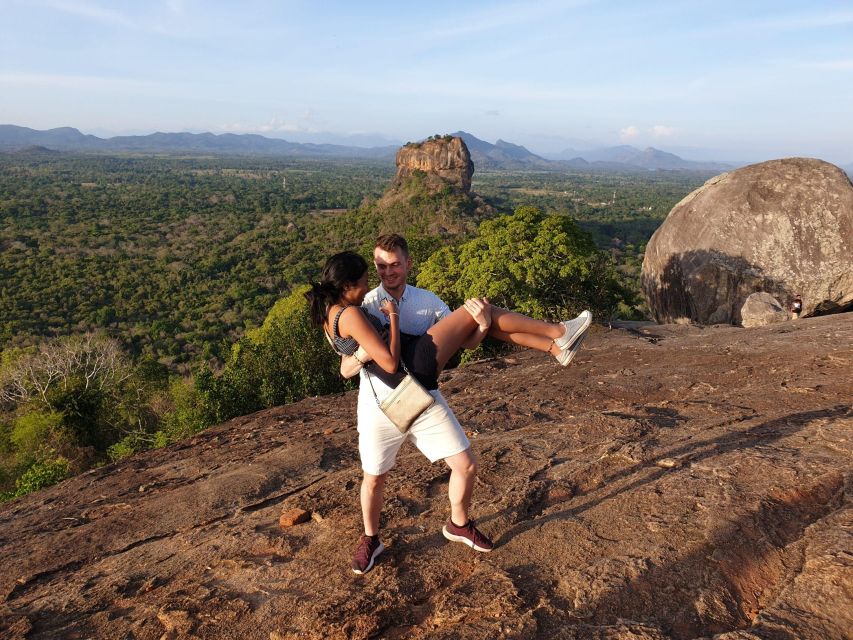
{"x":796,"y":307}
{"x":369,"y":329}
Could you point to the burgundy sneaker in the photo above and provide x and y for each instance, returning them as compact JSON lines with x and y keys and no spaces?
{"x":469,"y":534}
{"x":368,"y":550}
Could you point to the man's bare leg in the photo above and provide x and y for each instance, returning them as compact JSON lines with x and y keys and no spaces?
{"x":463,"y":472}
{"x":460,"y":527}
{"x":372,"y":496}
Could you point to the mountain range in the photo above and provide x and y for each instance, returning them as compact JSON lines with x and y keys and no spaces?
{"x":505,"y":155}
{"x":500,"y":155}
{"x":69,"y":139}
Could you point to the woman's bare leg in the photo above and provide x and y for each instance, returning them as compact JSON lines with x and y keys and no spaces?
{"x":450,"y":333}
{"x":510,"y":322}
{"x":529,"y":340}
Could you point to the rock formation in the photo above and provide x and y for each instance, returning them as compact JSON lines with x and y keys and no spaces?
{"x":761,"y":309}
{"x":674,"y":482}
{"x":784,"y":227}
{"x":432,"y":190}
{"x":445,"y":157}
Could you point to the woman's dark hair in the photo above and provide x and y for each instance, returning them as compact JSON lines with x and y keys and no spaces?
{"x":340,"y":271}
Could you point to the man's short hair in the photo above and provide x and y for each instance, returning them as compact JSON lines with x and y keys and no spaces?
{"x":392,"y":241}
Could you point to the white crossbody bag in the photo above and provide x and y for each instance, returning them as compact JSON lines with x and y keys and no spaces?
{"x":405,"y":403}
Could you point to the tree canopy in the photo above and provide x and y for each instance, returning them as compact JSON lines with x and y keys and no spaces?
{"x":541,"y":265}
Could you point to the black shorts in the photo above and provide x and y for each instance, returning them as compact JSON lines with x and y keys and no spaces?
{"x":419,"y":354}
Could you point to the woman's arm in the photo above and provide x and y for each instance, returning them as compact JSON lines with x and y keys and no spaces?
{"x":354,"y":324}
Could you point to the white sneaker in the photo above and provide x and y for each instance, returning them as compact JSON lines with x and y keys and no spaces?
{"x":565,"y":357}
{"x":574,"y":328}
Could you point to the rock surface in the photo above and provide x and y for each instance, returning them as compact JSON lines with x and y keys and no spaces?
{"x":761,"y":309}
{"x":446,"y":158}
{"x":783,"y":226}
{"x":674,"y":482}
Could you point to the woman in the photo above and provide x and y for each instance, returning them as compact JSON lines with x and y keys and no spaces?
{"x":335,"y":306}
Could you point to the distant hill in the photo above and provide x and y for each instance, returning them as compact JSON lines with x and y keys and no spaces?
{"x":502,"y":154}
{"x":625,"y":156}
{"x":505,"y":155}
{"x":13,"y":138}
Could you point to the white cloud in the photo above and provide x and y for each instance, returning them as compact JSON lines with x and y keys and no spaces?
{"x":273,"y":125}
{"x":77,"y":82}
{"x":831,"y":65}
{"x":629,"y":133}
{"x":662,"y":131}
{"x":508,"y":15}
{"x":87,"y":10}
{"x":802,"y":21}
{"x":792,"y":22}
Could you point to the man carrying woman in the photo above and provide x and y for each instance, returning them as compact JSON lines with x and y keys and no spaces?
{"x":398,"y":320}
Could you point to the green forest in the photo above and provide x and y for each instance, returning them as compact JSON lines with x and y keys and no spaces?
{"x":145,"y":298}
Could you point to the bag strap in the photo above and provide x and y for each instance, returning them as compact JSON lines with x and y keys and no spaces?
{"x":367,"y":375}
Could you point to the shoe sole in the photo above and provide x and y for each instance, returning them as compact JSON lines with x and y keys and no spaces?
{"x":463,"y":540}
{"x":373,"y":557}
{"x":574,"y":350}
{"x":571,"y":341}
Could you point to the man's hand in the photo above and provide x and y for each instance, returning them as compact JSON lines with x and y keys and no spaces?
{"x":481,"y":311}
{"x":351,"y":365}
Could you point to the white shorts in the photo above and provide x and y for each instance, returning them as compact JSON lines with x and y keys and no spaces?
{"x":436,"y":433}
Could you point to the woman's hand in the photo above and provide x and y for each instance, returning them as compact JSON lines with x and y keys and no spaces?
{"x":388,"y":307}
{"x":481,"y":311}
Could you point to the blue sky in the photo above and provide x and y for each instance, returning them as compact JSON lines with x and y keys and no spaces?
{"x":731,"y":79}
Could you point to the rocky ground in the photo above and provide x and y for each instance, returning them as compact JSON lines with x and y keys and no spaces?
{"x":676,"y":482}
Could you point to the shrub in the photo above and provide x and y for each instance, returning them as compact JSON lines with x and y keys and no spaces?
{"x":285,"y":360}
{"x":32,"y":431}
{"x":42,"y":474}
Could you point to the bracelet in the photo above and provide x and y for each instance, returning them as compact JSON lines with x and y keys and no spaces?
{"x":393,"y":314}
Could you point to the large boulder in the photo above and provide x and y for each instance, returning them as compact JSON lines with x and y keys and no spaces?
{"x":446,"y":158}
{"x":784,"y":227}
{"x":761,"y":309}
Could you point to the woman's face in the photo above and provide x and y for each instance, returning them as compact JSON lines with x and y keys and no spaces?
{"x":354,"y":293}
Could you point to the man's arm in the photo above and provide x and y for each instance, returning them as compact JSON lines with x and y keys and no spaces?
{"x":351,"y":365}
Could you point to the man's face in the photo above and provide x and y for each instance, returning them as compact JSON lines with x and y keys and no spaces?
{"x":393,"y":268}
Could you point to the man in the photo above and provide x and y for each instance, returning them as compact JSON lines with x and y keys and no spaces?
{"x":436,"y":433}
{"x":796,"y":307}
